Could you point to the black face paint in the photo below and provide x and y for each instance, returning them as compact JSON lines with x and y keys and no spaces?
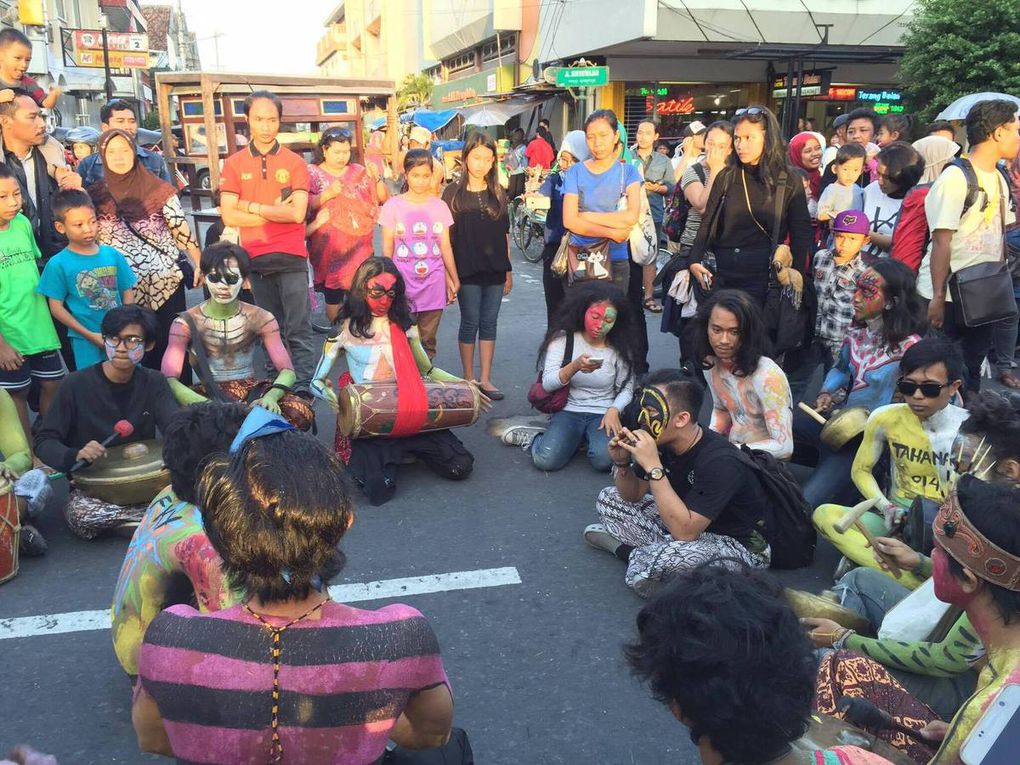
{"x":653,"y":412}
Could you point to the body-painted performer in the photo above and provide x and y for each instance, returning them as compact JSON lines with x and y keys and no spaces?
{"x":381,"y":345}
{"x":170,"y":557}
{"x":91,"y":401}
{"x":230,"y":331}
{"x":918,"y":436}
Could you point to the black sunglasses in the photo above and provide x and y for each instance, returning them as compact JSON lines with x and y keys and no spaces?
{"x":753,"y":111}
{"x":337,"y":134}
{"x":216,"y":278}
{"x":378,"y":292}
{"x":928,"y":389}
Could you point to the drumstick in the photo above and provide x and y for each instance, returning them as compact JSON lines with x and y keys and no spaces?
{"x":853,"y":515}
{"x":811,"y":413}
{"x":894,"y":569}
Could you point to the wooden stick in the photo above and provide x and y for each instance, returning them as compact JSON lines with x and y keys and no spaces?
{"x":811,"y":413}
{"x":893,"y":568}
{"x":853,"y":515}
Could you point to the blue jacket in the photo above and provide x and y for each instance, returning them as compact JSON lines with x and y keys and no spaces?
{"x":91,"y":168}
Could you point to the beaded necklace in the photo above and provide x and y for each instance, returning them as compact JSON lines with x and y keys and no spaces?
{"x":276,"y":746}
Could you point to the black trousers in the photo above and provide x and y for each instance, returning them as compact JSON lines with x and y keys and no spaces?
{"x":375,"y":461}
{"x":636,"y":299}
{"x":552,"y":285}
{"x":974,"y":343}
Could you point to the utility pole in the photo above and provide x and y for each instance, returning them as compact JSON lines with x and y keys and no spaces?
{"x":103,"y":24}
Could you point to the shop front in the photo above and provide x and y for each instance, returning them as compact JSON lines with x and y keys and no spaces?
{"x":675,"y":105}
{"x":823,"y":102}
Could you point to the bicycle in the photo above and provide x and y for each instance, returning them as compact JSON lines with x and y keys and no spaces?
{"x":527,"y":228}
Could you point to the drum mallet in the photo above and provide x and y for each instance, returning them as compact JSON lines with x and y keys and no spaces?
{"x":121,"y":429}
{"x":852,"y":517}
{"x":812,"y":413}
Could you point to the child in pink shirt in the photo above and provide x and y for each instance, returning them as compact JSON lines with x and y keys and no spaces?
{"x":416,"y":235}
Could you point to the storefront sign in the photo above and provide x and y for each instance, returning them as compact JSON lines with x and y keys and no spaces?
{"x":842,"y":93}
{"x":118,"y":59}
{"x":814,"y":83}
{"x":884,"y":108}
{"x":468,"y":90}
{"x":675,"y":106}
{"x":92,"y":39}
{"x":582,"y":76}
{"x":662,"y":90}
{"x":884,"y":96}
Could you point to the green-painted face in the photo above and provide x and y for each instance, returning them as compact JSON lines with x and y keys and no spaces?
{"x":599,"y":319}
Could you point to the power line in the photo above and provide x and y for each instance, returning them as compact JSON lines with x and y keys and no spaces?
{"x":757,"y":28}
{"x":889,"y":23}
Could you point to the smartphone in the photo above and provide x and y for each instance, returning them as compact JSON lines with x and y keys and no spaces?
{"x":285,"y":193}
{"x":995,"y":739}
{"x":596,"y":360}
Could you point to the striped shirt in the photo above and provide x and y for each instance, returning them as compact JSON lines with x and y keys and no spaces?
{"x":344,"y":681}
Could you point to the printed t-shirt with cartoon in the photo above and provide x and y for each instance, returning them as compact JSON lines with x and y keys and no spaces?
{"x":600,"y":193}
{"x":977,"y":236}
{"x":883,"y":211}
{"x":919,"y":453}
{"x":25,"y":321}
{"x":417,"y":248}
{"x":90,"y":285}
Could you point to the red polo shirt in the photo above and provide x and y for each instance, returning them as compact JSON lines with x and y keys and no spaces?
{"x":539,"y":153}
{"x":261,"y":178}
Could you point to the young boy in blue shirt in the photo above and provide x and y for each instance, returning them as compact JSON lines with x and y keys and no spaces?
{"x":85,"y":279}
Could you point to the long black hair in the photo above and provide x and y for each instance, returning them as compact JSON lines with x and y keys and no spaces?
{"x":355,"y":309}
{"x":754,"y":340}
{"x":904,"y":167}
{"x":569,"y":318}
{"x":773,"y":158}
{"x":903,"y":315}
{"x":495,"y":202}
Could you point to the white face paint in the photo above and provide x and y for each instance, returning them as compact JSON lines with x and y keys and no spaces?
{"x":223,"y":291}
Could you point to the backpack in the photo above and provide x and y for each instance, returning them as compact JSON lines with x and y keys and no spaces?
{"x":787,"y":516}
{"x":679,"y":208}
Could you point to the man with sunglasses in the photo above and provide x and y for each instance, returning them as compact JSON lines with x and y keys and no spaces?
{"x":91,"y":401}
{"x":918,"y":435}
{"x":222,"y":334}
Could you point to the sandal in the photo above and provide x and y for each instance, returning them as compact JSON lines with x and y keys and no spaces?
{"x":1010,"y":380}
{"x":652,"y":305}
{"x":493,"y":393}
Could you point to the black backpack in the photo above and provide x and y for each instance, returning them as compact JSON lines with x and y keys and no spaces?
{"x":675,"y":219}
{"x":788,"y":528}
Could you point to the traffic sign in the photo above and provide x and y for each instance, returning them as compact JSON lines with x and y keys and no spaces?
{"x":582,"y":76}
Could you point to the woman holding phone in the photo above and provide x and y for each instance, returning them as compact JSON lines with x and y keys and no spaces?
{"x":592,"y":332}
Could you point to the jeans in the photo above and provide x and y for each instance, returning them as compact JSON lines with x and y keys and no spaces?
{"x":479,"y":310}
{"x":974,"y":343}
{"x":873,"y":594}
{"x":285,"y":295}
{"x":830,"y":481}
{"x":1004,"y":335}
{"x":553,"y":449}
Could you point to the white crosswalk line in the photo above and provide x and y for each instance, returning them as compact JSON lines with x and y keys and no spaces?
{"x":86,"y":621}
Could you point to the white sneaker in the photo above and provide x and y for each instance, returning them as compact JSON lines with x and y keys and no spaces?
{"x":597,"y":536}
{"x":645,"y":587}
{"x":520,"y":435}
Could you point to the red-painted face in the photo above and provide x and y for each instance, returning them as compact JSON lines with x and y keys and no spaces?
{"x":379,"y":293}
{"x":869,"y":298}
{"x":947,"y":586}
{"x":599,"y":319}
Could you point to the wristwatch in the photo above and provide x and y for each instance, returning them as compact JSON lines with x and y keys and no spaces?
{"x":656,"y":474}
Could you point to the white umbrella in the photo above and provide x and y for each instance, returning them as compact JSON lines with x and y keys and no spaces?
{"x":493,"y":114}
{"x":960,"y":107}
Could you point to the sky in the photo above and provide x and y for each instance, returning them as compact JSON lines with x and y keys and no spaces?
{"x":256,"y":35}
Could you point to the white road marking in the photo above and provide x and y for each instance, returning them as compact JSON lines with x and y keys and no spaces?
{"x":86,"y":621}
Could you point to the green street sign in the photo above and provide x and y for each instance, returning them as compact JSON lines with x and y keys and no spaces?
{"x":582,"y":76}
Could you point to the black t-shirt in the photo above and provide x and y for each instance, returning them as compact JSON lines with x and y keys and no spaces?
{"x":479,"y":241}
{"x":713,"y":480}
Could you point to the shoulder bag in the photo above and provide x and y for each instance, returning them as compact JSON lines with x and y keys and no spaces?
{"x":591,"y":262}
{"x":181,"y":258}
{"x":983,"y":293}
{"x":546,"y":402}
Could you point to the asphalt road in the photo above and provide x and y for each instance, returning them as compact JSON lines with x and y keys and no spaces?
{"x":536,"y":667}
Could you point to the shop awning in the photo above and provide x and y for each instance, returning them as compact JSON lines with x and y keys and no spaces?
{"x":428,"y":119}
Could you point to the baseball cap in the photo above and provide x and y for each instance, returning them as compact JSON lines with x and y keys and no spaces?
{"x":420,"y":134}
{"x":852,"y":222}
{"x":695,"y":128}
{"x":840,"y":121}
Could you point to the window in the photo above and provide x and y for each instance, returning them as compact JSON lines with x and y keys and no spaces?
{"x":58,"y":6}
{"x":506,"y":47}
{"x":461,"y":63}
{"x":75,"y":19}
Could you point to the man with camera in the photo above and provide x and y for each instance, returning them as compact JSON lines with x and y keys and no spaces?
{"x":682,"y":494}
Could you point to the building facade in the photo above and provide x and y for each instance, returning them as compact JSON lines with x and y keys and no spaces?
{"x":171,"y":44}
{"x":371,"y":39}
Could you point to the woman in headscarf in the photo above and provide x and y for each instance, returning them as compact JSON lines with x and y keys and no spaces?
{"x":805,"y":151}
{"x":910,"y":237}
{"x":141,"y":216}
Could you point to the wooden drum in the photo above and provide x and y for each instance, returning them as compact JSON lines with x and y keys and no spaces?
{"x":10,"y":531}
{"x":130,"y":474}
{"x":371,"y":409}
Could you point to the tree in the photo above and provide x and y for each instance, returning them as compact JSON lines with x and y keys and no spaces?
{"x":954,"y":48}
{"x":415,"y":91}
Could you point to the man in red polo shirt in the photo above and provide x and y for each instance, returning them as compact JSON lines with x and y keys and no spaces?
{"x":264,"y":193}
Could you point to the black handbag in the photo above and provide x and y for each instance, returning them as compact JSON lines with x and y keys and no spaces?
{"x":787,"y":323}
{"x":456,"y":751}
{"x":983,"y":293}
